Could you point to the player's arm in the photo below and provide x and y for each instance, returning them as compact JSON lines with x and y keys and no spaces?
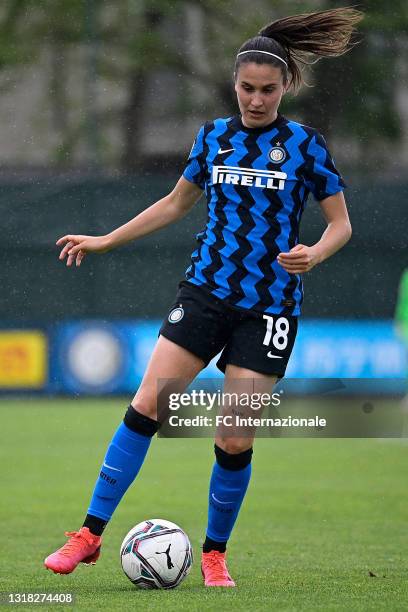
{"x":164,"y":212}
{"x":303,"y":258}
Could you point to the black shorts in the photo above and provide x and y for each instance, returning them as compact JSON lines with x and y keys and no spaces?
{"x":205,"y":325}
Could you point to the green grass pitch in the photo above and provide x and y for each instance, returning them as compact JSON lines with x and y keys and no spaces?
{"x":320,"y":515}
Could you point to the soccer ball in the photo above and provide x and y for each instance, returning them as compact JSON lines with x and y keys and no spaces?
{"x":156,"y":554}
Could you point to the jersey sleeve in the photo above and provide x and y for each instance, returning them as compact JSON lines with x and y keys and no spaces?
{"x":321,"y":175}
{"x":195,"y":171}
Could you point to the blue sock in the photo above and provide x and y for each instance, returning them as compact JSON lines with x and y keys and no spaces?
{"x":121,"y":465}
{"x":227,"y":491}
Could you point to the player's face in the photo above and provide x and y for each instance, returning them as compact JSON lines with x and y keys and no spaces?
{"x":259,"y":88}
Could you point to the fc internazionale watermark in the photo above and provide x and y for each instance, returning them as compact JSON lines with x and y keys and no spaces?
{"x":243,"y":422}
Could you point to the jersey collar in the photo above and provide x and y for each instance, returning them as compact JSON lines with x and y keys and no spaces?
{"x":236,"y":122}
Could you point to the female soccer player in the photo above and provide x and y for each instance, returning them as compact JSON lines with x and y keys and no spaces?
{"x":243,"y":290}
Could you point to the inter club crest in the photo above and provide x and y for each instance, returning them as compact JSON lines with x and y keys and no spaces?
{"x":277,"y":155}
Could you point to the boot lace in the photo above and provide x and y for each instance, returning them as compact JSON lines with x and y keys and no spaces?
{"x":216,"y":563}
{"x":76,"y":542}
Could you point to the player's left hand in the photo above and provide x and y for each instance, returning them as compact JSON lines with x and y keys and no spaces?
{"x":299,"y":259}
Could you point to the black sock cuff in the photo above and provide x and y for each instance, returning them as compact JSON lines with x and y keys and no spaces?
{"x":210,"y":545}
{"x":233,"y":462}
{"x":140,"y":423}
{"x":95,"y":524}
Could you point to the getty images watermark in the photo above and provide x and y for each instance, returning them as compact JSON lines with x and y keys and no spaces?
{"x":230,"y":404}
{"x":335,"y":408}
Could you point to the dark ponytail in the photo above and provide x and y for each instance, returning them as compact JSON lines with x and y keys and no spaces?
{"x":302,"y":39}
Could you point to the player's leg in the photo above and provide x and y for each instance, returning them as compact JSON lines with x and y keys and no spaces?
{"x":131,"y":441}
{"x":126,"y":453}
{"x":254,"y":357}
{"x":231,"y":472}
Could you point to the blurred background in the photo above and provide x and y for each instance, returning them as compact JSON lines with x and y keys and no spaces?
{"x":100,"y":103}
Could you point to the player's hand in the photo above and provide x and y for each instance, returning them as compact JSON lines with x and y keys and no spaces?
{"x":75,"y":247}
{"x":299,"y":259}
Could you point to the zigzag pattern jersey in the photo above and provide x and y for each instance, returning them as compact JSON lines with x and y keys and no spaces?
{"x":257,"y":181}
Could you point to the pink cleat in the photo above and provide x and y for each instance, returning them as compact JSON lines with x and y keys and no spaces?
{"x":214,"y":570}
{"x":82,"y":547}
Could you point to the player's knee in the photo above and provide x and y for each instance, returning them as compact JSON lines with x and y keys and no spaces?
{"x":148,"y":409}
{"x":235,"y":454}
{"x":145,"y":402}
{"x":234,"y":445}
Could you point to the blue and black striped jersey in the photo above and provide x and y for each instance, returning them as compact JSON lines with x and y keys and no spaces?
{"x":257,"y":181}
